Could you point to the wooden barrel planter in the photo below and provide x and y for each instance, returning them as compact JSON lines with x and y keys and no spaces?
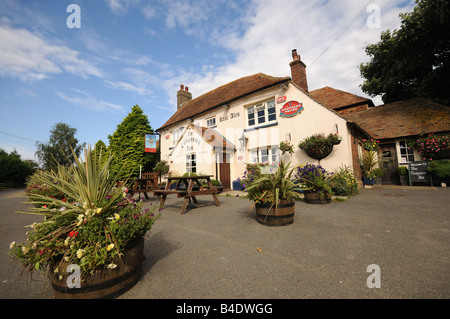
{"x":317,"y":198}
{"x":280,"y":216}
{"x":107,"y":283}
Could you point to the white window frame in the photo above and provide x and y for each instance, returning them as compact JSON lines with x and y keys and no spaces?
{"x":268,"y":154}
{"x":406,"y":156}
{"x":191,"y":163}
{"x":176,"y":134}
{"x":211,"y":122}
{"x":259,"y":113}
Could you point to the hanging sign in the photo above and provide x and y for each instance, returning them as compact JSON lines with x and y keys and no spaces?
{"x":150,"y":143}
{"x":291,"y":109}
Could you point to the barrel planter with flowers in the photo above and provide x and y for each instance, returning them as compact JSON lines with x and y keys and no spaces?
{"x":91,"y":239}
{"x":276,"y":215}
{"x":106,"y":283}
{"x":317,"y":183}
{"x":273,"y":192}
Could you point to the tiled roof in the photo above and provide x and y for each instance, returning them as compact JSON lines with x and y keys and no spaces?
{"x":335,"y":99}
{"x":224,"y":94}
{"x":403,"y":118}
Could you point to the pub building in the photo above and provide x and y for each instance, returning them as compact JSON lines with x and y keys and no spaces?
{"x":245,"y":120}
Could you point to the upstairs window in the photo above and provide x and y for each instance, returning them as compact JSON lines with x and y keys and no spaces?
{"x":211,"y":122}
{"x":261,"y":113}
{"x":176,"y":134}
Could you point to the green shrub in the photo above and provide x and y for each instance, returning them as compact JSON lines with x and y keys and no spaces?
{"x":440,"y":168}
{"x":343,"y":182}
{"x":402,"y":170}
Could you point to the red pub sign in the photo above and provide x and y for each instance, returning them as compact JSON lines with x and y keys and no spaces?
{"x":291,"y":109}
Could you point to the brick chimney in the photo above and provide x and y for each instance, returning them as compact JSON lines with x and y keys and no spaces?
{"x":298,"y":71}
{"x":183,"y":96}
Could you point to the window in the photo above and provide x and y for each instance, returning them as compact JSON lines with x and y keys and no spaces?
{"x":254,"y":156}
{"x":271,"y":111}
{"x":406,"y":153}
{"x":211,"y":122}
{"x":191,"y":163}
{"x":261,"y":113}
{"x":264,"y":152}
{"x":176,"y":134}
{"x":265,"y":155}
{"x":275,"y":155}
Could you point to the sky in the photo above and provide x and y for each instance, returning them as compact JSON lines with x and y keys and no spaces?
{"x":88,"y":65}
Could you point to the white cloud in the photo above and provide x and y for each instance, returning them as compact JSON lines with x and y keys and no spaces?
{"x":27,"y":56}
{"x":141,"y":82}
{"x":275,"y":27}
{"x":87,"y":101}
{"x":120,"y":6}
{"x":149,"y":12}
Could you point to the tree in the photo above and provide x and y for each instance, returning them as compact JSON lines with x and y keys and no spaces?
{"x":128,"y":143}
{"x":59,"y":148}
{"x":413,"y":60}
{"x":14,"y":170}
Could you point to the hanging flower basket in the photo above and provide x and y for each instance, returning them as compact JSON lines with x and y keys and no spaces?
{"x":319,"y":152}
{"x":318,"y":146}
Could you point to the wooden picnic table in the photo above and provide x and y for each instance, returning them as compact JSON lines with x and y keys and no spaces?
{"x":147,"y":183}
{"x":189,"y":192}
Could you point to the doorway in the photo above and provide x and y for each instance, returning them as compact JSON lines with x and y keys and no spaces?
{"x":223,"y":159}
{"x":390,"y":163}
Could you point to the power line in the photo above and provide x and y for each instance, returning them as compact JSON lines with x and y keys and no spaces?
{"x":18,"y":137}
{"x":340,"y":34}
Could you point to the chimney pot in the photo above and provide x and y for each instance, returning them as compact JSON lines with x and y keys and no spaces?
{"x":298,"y":71}
{"x":183,"y":95}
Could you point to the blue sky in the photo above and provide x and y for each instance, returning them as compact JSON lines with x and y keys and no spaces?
{"x":129,"y":52}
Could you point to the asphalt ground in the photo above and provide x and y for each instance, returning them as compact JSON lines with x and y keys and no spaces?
{"x":224,"y":253}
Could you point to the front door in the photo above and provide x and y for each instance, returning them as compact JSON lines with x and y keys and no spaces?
{"x":389,"y":155}
{"x":224,"y":169}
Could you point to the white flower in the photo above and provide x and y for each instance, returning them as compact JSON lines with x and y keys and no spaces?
{"x":66,"y":242}
{"x":112,"y":266}
{"x":80,"y":253}
{"x":62,"y":209}
{"x":25,"y":249}
{"x":80,"y":219}
{"x":12,"y":245}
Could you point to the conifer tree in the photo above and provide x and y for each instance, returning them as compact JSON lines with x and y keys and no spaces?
{"x":128,"y":144}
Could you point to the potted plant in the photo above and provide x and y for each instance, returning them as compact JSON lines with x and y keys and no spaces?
{"x":286,"y":147}
{"x":273,"y":192}
{"x":90,"y":227}
{"x":318,"y":146}
{"x":402,"y":172}
{"x":370,"y":162}
{"x":317,"y":182}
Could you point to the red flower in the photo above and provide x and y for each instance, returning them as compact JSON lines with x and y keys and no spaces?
{"x":73,"y":233}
